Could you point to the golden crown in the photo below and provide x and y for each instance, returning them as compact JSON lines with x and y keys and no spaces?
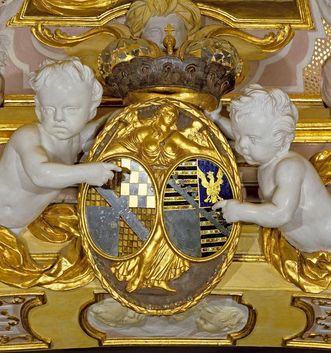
{"x":201,"y":72}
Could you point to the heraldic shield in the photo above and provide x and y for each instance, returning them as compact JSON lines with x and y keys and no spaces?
{"x":150,"y":234}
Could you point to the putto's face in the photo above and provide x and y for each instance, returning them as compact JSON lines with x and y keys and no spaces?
{"x":154,"y":29}
{"x":254,"y":138}
{"x":64,"y":107}
{"x":169,"y":117}
{"x":204,"y":324}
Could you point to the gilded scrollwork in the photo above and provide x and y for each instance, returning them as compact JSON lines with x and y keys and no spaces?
{"x":15,"y":331}
{"x":317,"y":332}
{"x":249,"y":46}
{"x":60,"y":39}
{"x":95,"y":12}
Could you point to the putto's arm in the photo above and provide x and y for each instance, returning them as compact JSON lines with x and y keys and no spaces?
{"x":284,"y":202}
{"x":223,"y":123}
{"x":49,"y":175}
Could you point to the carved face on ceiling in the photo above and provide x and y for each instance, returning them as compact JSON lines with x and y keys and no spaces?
{"x":326,"y":82}
{"x":325,"y":7}
{"x":154,"y":29}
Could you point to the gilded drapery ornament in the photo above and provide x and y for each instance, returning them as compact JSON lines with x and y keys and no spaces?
{"x":69,"y":270}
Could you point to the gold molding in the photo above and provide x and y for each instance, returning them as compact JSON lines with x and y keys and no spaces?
{"x":27,"y":100}
{"x":305,"y":21}
{"x":166,"y":341}
{"x":300,"y":99}
{"x":301,"y":19}
{"x":313,"y":132}
{"x":249,"y":258}
{"x":22,"y":18}
{"x":35,"y":341}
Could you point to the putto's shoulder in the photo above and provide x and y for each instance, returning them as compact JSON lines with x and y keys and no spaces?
{"x":25,"y":131}
{"x":291,"y":162}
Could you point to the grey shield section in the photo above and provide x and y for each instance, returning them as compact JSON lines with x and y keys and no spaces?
{"x":103,"y":222}
{"x":103,"y":227}
{"x":121,"y":209}
{"x":183,"y":227}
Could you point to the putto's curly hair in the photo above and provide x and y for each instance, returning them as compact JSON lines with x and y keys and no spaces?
{"x":142,"y":10}
{"x":72,"y":66}
{"x":270,"y":102}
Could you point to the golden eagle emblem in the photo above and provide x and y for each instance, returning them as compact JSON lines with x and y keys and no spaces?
{"x":212,"y":186}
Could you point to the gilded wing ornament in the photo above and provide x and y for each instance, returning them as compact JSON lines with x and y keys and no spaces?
{"x":203,"y":178}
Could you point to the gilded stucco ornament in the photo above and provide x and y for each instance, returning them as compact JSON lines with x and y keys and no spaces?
{"x":294,"y":200}
{"x":153,"y":232}
{"x":148,"y":19}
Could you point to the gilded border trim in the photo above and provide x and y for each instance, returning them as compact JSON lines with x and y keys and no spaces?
{"x":21,"y":19}
{"x":44,"y":343}
{"x":310,"y":315}
{"x":27,"y":100}
{"x":305,"y":21}
{"x":249,"y":258}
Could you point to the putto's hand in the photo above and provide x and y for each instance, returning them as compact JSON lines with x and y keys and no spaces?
{"x":219,"y":204}
{"x":230,"y":210}
{"x":100,"y":173}
{"x":110,"y":167}
{"x":215,"y":114}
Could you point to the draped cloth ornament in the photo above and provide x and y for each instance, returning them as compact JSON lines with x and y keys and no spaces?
{"x":155,"y":268}
{"x":58,"y":223}
{"x":322,"y":163}
{"x":311,"y":272}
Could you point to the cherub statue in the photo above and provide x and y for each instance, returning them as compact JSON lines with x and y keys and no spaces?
{"x":294,"y":199}
{"x":39,"y":159}
{"x":37,"y":163}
